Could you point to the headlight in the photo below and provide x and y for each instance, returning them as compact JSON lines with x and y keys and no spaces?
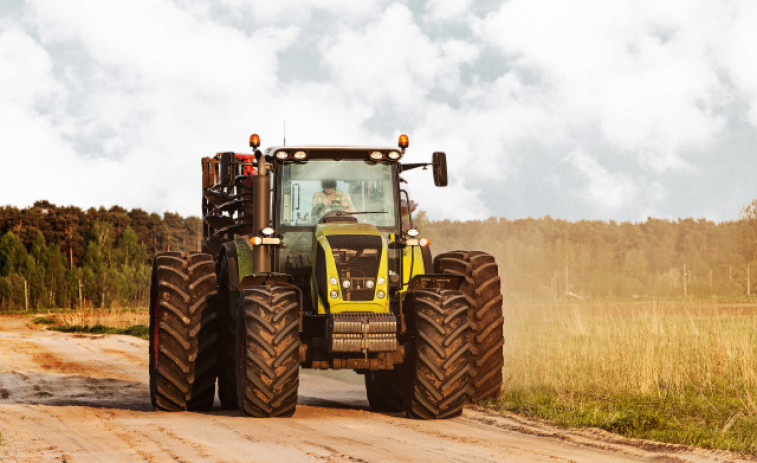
{"x":369,"y":284}
{"x":333,"y":294}
{"x":300,"y":155}
{"x":282,"y":155}
{"x":393,"y":155}
{"x":413,"y":232}
{"x":267,"y":231}
{"x":346,"y":284}
{"x":376,"y":156}
{"x":381,"y":281}
{"x":380,"y":294}
{"x":256,"y":241}
{"x":332,"y":281}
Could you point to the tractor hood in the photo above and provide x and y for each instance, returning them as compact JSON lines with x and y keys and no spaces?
{"x":350,"y":271}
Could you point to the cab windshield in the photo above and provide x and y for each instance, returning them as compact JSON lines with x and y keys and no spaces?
{"x":312,"y":189}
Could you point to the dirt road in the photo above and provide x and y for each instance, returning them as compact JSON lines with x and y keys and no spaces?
{"x":85,"y":399}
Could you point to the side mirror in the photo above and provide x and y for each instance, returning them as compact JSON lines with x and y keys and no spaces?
{"x":227,"y":169}
{"x":439,"y":164}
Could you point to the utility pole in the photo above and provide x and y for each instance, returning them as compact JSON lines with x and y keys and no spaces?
{"x":748,"y":280}
{"x":26,"y":297}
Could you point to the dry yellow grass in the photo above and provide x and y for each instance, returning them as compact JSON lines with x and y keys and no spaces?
{"x":645,"y":347}
{"x":116,"y":318}
{"x":678,"y":371}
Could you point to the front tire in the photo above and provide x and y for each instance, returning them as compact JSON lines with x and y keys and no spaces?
{"x":182,"y":332}
{"x":439,"y":357}
{"x":268,"y":354}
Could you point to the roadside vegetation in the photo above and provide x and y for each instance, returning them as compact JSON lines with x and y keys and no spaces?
{"x":672,"y":371}
{"x":131,"y":322}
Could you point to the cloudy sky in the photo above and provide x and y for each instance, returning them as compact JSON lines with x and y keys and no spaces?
{"x":587,"y":109}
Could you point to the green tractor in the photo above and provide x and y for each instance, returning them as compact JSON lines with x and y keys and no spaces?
{"x":310,"y":259}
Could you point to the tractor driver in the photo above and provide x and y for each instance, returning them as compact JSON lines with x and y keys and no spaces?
{"x":330,"y":199}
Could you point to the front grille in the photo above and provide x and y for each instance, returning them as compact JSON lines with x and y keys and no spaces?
{"x":357,"y":259}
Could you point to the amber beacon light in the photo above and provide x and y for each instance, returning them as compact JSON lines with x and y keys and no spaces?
{"x":404,"y":141}
{"x":254,"y":140}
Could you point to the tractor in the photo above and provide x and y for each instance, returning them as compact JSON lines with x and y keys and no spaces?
{"x":310,"y":259}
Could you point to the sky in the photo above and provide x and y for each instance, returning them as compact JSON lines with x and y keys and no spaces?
{"x":588,"y":109}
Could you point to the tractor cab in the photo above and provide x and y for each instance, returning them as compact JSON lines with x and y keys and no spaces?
{"x":343,"y":202}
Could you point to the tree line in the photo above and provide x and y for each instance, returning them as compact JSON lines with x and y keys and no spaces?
{"x":52,"y":256}
{"x":550,"y":258}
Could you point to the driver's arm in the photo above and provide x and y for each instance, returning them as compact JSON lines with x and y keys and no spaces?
{"x":347,"y":202}
{"x":319,"y":205}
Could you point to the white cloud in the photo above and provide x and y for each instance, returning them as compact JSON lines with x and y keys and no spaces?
{"x":392,"y":62}
{"x":601,"y":187}
{"x":447,"y":10}
{"x":640,"y":71}
{"x":27,"y":71}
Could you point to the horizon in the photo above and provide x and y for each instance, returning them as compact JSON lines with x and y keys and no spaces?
{"x":415,"y":215}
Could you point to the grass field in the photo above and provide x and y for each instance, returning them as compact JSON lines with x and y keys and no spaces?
{"x":682,"y":372}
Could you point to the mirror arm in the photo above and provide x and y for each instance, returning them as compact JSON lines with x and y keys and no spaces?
{"x":404,"y":167}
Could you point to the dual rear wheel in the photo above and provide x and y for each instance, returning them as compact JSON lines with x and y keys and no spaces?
{"x":186,"y":351}
{"x":389,"y":391}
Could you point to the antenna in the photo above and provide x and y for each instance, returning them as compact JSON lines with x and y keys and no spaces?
{"x":285,"y":132}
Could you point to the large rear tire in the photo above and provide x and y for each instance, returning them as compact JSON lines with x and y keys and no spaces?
{"x":268,"y":354}
{"x":482,"y":288}
{"x":439,"y":355}
{"x":182,"y":332}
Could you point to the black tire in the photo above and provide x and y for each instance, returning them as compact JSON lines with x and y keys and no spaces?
{"x":182,"y":332}
{"x":268,"y":354}
{"x":386,"y":389}
{"x":439,"y":355}
{"x":228,"y":293}
{"x":482,"y":287}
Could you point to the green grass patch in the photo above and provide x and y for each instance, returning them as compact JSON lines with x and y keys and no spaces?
{"x":140,"y":331}
{"x":720,"y":418}
{"x":44,"y":320}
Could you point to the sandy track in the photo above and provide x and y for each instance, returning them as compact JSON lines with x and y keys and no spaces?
{"x":85,"y":399}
